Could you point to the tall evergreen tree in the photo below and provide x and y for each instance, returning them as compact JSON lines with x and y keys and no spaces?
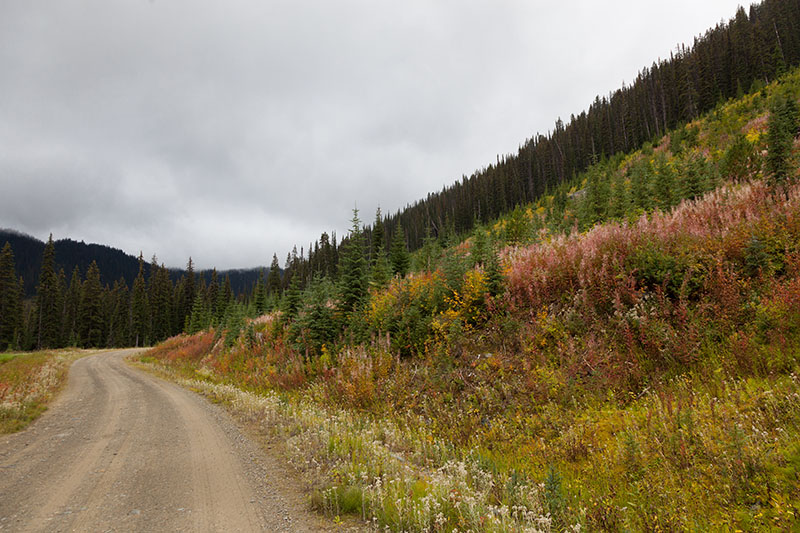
{"x":48,"y":301}
{"x":620,"y":201}
{"x":160,"y":297}
{"x":225,"y":299}
{"x":119,"y":327}
{"x":353,"y":276}
{"x":72,"y":305}
{"x":91,"y":315}
{"x":398,"y":253}
{"x":782,"y":129}
{"x":274,"y":278}
{"x":378,"y":237}
{"x":640,"y":186}
{"x":10,"y":304}
{"x":260,"y":295}
{"x":291,"y":300}
{"x":212,"y":294}
{"x":692,"y":184}
{"x":140,"y":308}
{"x":664,"y":186}
{"x":381,"y":269}
{"x":189,"y":289}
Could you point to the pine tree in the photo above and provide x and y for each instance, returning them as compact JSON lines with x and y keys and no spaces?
{"x":91,"y":314}
{"x":739,"y":159}
{"x":620,"y":201}
{"x":378,"y":237}
{"x":398,"y":254}
{"x":260,"y":295}
{"x":10,"y":303}
{"x":119,"y":329}
{"x":212,"y":294}
{"x":48,"y":301}
{"x":225,"y":299}
{"x":664,"y":186}
{"x":494,"y":275}
{"x":274,"y":278}
{"x":316,"y":324}
{"x":199,"y":318}
{"x":62,"y":291}
{"x":693,"y":184}
{"x":291,"y":301}
{"x":159,"y":296}
{"x":782,"y":129}
{"x":381,"y":270}
{"x":140,"y":308}
{"x":597,"y":196}
{"x":640,"y":187}
{"x":72,"y":305}
{"x":353,"y":280}
{"x":480,"y":247}
{"x":189,"y":291}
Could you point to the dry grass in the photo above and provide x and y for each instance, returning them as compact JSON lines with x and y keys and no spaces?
{"x":28,"y":382}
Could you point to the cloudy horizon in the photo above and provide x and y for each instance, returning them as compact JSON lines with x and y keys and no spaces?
{"x":231,"y":131}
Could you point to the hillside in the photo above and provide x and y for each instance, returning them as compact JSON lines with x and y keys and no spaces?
{"x":621,"y":354}
{"x":112,"y":262}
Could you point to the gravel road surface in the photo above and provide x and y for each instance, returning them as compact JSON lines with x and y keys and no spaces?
{"x":121,"y":450}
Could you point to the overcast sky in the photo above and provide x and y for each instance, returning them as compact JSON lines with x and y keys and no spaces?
{"x":229,"y":130}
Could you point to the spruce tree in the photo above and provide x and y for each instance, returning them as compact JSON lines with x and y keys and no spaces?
{"x":480,"y":247}
{"x":619,"y":197}
{"x":62,"y":291}
{"x":353,"y":280}
{"x":48,"y":301}
{"x":378,"y":237}
{"x":159,"y":296}
{"x":274,"y":278}
{"x":782,"y":129}
{"x":398,"y":253}
{"x":225,"y":299}
{"x":140,"y":309}
{"x":494,"y":275}
{"x":291,"y":300}
{"x":664,"y":186}
{"x":10,"y":303}
{"x":119,"y":327}
{"x":189,"y":290}
{"x":595,"y":205}
{"x":640,"y":186}
{"x":91,"y":314}
{"x":72,"y":305}
{"x":200,"y":317}
{"x":381,"y":270}
{"x":260,"y":295}
{"x":212,"y":294}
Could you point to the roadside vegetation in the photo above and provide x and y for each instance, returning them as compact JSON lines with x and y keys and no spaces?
{"x":28,"y":382}
{"x":622,"y":354}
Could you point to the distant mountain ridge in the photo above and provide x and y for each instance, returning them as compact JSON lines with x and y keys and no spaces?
{"x":113,"y":262}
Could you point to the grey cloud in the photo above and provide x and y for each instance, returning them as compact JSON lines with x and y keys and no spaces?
{"x":232,"y":130}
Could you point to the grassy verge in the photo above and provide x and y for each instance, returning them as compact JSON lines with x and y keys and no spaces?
{"x":28,"y":382}
{"x":692,"y":453}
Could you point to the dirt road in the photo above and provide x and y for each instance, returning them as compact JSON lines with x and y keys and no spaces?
{"x":121,"y":450}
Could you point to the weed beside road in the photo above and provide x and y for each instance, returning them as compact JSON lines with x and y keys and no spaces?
{"x":28,"y":382}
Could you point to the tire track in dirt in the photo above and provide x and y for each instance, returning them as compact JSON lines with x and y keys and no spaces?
{"x":122,"y":450}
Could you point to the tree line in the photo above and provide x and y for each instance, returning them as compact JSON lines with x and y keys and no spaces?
{"x":84,"y":312}
{"x":751,"y":50}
